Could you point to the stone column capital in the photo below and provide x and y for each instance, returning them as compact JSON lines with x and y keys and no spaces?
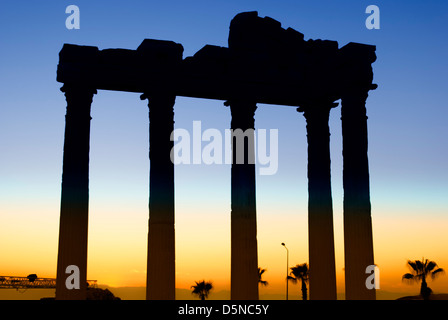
{"x":164,"y":98}
{"x":360,"y":91}
{"x":243,"y":113}
{"x":317,"y":108}
{"x":78,"y":96}
{"x":317,"y":116}
{"x":67,"y":87}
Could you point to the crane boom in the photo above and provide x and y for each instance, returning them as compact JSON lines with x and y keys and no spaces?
{"x":33,"y":282}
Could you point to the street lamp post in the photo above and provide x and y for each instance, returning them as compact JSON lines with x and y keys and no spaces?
{"x":287,"y":268}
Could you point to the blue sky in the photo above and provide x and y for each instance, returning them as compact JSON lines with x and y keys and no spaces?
{"x":408,"y":149}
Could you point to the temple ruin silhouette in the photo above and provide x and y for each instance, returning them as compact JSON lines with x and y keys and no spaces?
{"x":263,"y":63}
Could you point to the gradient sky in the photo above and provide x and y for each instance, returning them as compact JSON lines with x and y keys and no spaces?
{"x":408,"y":149}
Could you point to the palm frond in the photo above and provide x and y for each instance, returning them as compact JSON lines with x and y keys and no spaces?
{"x":409,"y":277}
{"x":435,"y":273}
{"x":412,"y":265}
{"x":260,"y":275}
{"x":263,"y":282}
{"x":292,"y":279}
{"x":430,"y":266}
{"x":419,"y":265}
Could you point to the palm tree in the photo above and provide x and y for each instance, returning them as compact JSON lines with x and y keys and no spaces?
{"x":202,"y":289}
{"x":420,"y":270}
{"x":301,"y":273}
{"x":260,"y":275}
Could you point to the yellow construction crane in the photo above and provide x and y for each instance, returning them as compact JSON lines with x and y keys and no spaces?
{"x":32,"y":281}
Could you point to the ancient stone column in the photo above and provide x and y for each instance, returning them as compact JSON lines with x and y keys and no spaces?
{"x":320,"y":207}
{"x":73,"y":224}
{"x":358,"y":240}
{"x":356,"y":80}
{"x":244,"y":256}
{"x":160,"y":283}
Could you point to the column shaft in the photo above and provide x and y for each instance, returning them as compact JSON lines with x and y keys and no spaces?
{"x":73,"y":224}
{"x":161,"y":238}
{"x":244,"y":256}
{"x":358,"y":240}
{"x":320,"y":207}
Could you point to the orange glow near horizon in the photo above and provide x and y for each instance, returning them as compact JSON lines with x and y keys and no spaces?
{"x":118,"y":241}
